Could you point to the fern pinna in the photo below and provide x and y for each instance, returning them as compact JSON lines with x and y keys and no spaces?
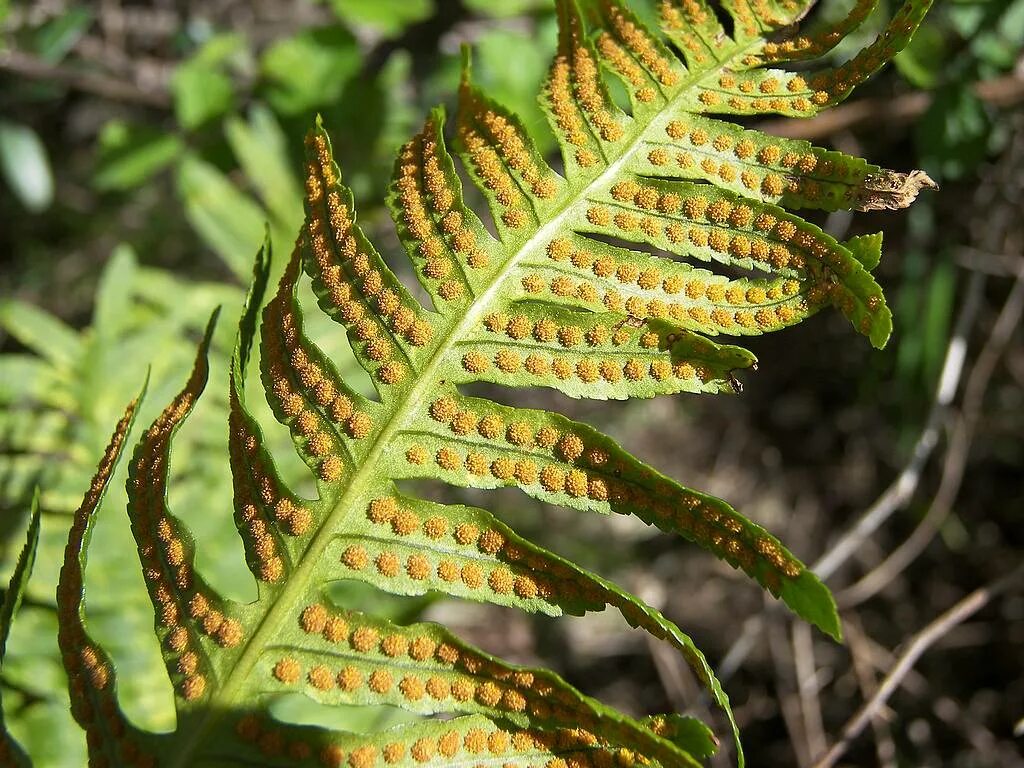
{"x":577,"y":291}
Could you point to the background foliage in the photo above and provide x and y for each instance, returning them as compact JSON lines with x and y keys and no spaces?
{"x":143,"y":146}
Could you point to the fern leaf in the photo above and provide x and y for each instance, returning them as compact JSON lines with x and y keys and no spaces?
{"x":588,"y":286}
{"x":91,"y":676}
{"x":11,"y":753}
{"x":470,"y":739}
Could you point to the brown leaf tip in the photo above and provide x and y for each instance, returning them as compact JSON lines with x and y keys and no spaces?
{"x":890,"y":190}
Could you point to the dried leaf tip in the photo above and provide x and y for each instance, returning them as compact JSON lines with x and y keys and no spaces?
{"x":890,"y":190}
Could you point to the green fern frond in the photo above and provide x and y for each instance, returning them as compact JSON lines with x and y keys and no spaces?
{"x":576,"y":291}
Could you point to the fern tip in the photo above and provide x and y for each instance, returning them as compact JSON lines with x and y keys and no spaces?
{"x":211,"y":325}
{"x":810,"y":599}
{"x":881,"y":334}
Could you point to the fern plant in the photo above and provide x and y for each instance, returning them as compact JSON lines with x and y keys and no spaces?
{"x":573,"y":289}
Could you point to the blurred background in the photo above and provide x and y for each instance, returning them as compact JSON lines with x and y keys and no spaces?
{"x":144,"y":144}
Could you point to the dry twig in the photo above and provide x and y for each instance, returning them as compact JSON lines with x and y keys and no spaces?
{"x":903,"y":487}
{"x":786,"y":690}
{"x":920,"y":643}
{"x":956,"y":455}
{"x":863,"y":669}
{"x":807,"y":687}
{"x":96,"y":83}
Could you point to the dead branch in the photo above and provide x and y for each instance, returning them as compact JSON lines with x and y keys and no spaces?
{"x":863,"y":668}
{"x":917,"y":646}
{"x":956,"y":455}
{"x":807,"y":687}
{"x":112,"y":88}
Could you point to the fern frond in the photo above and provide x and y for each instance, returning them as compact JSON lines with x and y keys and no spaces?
{"x":577,"y":291}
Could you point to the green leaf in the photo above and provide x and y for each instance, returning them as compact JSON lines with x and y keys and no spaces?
{"x":21,"y":377}
{"x":91,"y":676}
{"x":19,"y":579}
{"x":202,"y":92}
{"x":202,"y":88}
{"x":939,"y":303}
{"x":952,"y":136}
{"x":41,"y":332}
{"x":129,"y":155}
{"x":923,"y":60}
{"x":220,"y":49}
{"x":995,"y":44}
{"x":867,"y":249}
{"x":262,"y":152}
{"x":1011,"y":23}
{"x":26,"y":166}
{"x":114,"y":293}
{"x":388,"y":17}
{"x":309,"y":69}
{"x":507,"y":8}
{"x":55,"y":421}
{"x":228,"y":221}
{"x":54,"y":39}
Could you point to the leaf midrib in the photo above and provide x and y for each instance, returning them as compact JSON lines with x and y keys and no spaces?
{"x":296,"y":585}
